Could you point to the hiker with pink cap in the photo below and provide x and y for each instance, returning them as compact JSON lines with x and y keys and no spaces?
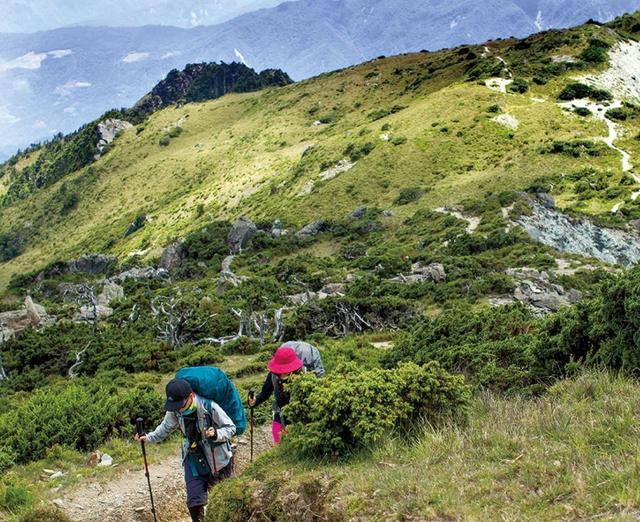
{"x":283,"y":363}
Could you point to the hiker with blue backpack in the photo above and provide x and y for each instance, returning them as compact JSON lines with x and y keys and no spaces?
{"x":290,"y":358}
{"x":207,"y":429}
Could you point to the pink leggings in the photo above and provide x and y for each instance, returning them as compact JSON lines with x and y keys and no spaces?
{"x":276,"y":428}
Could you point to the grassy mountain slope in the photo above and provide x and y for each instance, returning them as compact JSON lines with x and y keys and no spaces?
{"x":255,"y":153}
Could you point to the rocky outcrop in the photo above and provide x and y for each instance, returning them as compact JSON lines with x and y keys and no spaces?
{"x":358,"y":213}
{"x":579,"y":236}
{"x":172,"y":256}
{"x":328,"y":290}
{"x":106,"y":131}
{"x":89,"y":314}
{"x":140,"y":273}
{"x":312,"y":229}
{"x":32,"y":315}
{"x":137,"y":224}
{"x":110,"y":292}
{"x":433,"y":272}
{"x":276,"y":229}
{"x":240,"y":235}
{"x":227,"y":277}
{"x":534,"y":289}
{"x":91,"y":264}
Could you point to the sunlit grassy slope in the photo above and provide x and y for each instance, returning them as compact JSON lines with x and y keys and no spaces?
{"x":261,"y":154}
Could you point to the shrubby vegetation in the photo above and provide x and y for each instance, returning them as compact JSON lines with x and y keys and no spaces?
{"x":353,"y":409}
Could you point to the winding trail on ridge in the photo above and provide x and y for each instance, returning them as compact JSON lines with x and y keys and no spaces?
{"x":125,"y":497}
{"x":599,"y":111}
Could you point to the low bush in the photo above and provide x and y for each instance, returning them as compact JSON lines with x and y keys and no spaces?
{"x":45,"y":514}
{"x":519,"y":85}
{"x":576,"y":148}
{"x":352,"y":409}
{"x":409,"y":195}
{"x":80,"y":415}
{"x":577,"y":90}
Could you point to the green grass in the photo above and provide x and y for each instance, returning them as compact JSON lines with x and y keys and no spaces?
{"x":570,"y":455}
{"x":243,"y":154}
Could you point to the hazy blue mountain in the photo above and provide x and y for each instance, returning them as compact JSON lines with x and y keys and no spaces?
{"x":56,"y":80}
{"x":26,"y":16}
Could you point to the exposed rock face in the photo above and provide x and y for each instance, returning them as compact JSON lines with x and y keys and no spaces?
{"x":276,"y":229}
{"x":227,"y":277}
{"x":107,"y":131}
{"x":312,"y":229}
{"x":358,"y":213}
{"x":328,"y":290}
{"x":342,"y":166}
{"x":172,"y":256}
{"x":240,"y":235}
{"x":139,"y":273}
{"x":580,"y":236}
{"x":137,"y":224}
{"x":110,"y":292}
{"x":434,"y":272}
{"x":91,"y":264}
{"x":86,"y":313}
{"x":534,"y":289}
{"x":15,"y":321}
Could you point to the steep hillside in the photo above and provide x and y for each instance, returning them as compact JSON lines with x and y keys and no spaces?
{"x":57,"y":80}
{"x":416,"y":121}
{"x":455,"y":231}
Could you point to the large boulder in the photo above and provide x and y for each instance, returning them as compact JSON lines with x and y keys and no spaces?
{"x":140,"y":273}
{"x":312,"y":229}
{"x":106,"y":131}
{"x":31,"y":315}
{"x":172,"y":256}
{"x":87,"y":314}
{"x":433,"y":272}
{"x":240,"y":235}
{"x":92,"y":264}
{"x":534,"y":289}
{"x":110,"y":292}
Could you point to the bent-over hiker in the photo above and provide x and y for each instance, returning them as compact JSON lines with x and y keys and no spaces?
{"x":309,"y":355}
{"x":207,"y":457}
{"x":283,"y":363}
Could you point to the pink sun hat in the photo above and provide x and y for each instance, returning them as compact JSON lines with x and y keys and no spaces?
{"x":284,"y":360}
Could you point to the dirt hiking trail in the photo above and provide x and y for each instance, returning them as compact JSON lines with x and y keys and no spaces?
{"x":125,"y":498}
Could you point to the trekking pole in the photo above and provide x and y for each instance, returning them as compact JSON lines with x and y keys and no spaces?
{"x":140,"y":432}
{"x":252,"y":396}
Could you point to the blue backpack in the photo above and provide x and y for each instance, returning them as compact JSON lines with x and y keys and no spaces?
{"x":212,"y":383}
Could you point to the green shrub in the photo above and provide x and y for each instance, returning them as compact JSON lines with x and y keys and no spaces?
{"x":353,"y":409}
{"x":409,"y":195}
{"x":164,"y":141}
{"x":7,"y":459}
{"x":355,"y":152}
{"x":14,"y":496}
{"x":399,"y":140}
{"x":582,"y":111}
{"x":174,"y":132}
{"x":519,"y":85}
{"x":580,"y":90}
{"x":619,"y":114}
{"x":575,"y":148}
{"x":45,"y":514}
{"x":495,"y":108}
{"x":242,"y":346}
{"x":80,"y":415}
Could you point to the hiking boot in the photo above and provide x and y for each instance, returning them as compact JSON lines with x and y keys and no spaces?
{"x":197,"y":513}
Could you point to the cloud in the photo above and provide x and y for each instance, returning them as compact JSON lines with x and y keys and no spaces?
{"x":68,"y":88}
{"x":40,"y":125}
{"x":240,"y":57}
{"x":69,"y":110}
{"x":135,"y":57}
{"x":21,"y":85}
{"x":60,"y":53}
{"x":29,"y":61}
{"x":6,"y":117}
{"x":32,"y":60}
{"x":171,"y":54}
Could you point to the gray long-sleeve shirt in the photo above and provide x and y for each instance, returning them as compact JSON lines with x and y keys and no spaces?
{"x":217,"y":452}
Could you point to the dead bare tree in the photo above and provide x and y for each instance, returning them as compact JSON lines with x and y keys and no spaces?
{"x":72,"y":370}
{"x":86,"y":296}
{"x":171,"y":316}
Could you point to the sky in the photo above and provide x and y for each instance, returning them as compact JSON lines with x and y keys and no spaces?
{"x":26,"y":16}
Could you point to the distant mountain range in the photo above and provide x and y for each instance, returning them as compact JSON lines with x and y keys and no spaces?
{"x":27,"y":16}
{"x":56,"y":80}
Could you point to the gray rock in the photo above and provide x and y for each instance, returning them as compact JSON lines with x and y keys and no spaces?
{"x":86,"y":313}
{"x":240,"y":235}
{"x":312,"y":229}
{"x":333,"y":289}
{"x":140,"y":273}
{"x":302,"y":298}
{"x":546,"y":200}
{"x":32,"y":315}
{"x":107,"y":131}
{"x":359,"y":212}
{"x":276,"y":229}
{"x":137,"y":224}
{"x":433,"y":272}
{"x":91,"y":264}
{"x":580,"y":236}
{"x":110,"y":292}
{"x":534,"y":289}
{"x":172,"y":256}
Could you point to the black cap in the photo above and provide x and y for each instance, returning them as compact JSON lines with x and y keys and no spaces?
{"x":178,"y":390}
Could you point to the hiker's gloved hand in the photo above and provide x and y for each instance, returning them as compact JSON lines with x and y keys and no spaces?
{"x":139,"y":438}
{"x":211,"y":433}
